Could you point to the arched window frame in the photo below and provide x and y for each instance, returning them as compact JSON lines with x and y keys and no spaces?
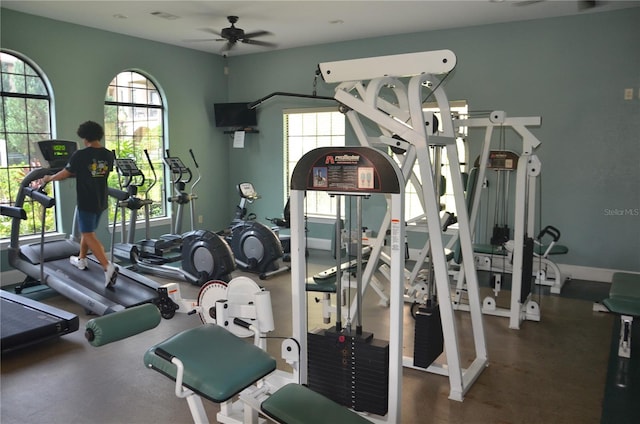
{"x":135,"y":120}
{"x":26,"y":91}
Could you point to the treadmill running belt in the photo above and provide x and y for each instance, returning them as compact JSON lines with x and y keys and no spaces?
{"x":25,"y":321}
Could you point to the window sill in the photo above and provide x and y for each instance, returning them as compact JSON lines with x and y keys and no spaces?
{"x":24,"y":240}
{"x":321,"y":220}
{"x":4,"y":243}
{"x":154,"y":222}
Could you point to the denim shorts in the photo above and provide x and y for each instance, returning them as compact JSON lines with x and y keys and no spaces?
{"x":88,"y":221}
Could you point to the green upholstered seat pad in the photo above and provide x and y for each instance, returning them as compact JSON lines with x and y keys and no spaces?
{"x":557,"y":249}
{"x":623,"y":306}
{"x":311,"y":285}
{"x":624,"y":294}
{"x":625,"y":284}
{"x":295,"y":403}
{"x":321,"y":288}
{"x":489,"y":249}
{"x":217,"y":364}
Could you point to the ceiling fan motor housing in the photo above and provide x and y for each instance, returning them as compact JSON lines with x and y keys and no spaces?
{"x":232,"y":33}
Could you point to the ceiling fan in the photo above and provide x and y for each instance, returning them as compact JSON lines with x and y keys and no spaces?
{"x":233,"y":34}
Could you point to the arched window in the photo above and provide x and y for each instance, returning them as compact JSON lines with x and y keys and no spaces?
{"x":25,"y":118}
{"x":134,"y":122}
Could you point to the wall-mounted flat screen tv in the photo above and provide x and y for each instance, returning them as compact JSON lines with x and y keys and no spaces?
{"x":236,"y":115}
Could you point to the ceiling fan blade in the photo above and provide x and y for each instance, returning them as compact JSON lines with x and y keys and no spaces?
{"x":211,"y":31}
{"x":258,"y":43}
{"x":199,"y":39}
{"x":586,"y":4}
{"x":256,"y":34}
{"x":527,"y":2}
{"x":228,"y":46}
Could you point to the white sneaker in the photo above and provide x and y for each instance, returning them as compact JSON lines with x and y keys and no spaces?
{"x":78,"y":262}
{"x":110,"y":275}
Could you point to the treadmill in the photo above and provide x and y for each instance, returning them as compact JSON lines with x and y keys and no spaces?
{"x":26,"y":321}
{"x":48,"y":262}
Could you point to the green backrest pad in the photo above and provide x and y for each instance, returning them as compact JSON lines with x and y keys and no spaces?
{"x":313,"y":286}
{"x":489,"y":249}
{"x":557,"y":249}
{"x":297,"y":404}
{"x":624,"y":294}
{"x":218,"y":364}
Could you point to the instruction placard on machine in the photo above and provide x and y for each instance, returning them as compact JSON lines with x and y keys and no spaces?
{"x":344,"y":171}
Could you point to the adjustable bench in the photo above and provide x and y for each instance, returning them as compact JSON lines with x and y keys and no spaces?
{"x":542,"y":254}
{"x":210,"y":362}
{"x":624,"y":300}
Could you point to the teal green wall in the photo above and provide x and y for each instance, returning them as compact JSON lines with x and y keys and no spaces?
{"x":571,"y":71}
{"x":80,"y":62}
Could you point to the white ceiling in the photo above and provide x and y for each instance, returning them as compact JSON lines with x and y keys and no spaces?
{"x":295,"y":23}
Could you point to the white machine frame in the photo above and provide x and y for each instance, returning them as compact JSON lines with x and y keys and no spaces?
{"x":368,"y":103}
{"x":528,"y":170}
{"x":407,"y":121}
{"x":240,"y":298}
{"x":299,"y":295}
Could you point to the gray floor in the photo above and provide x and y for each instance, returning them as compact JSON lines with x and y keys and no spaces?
{"x":551,"y":371}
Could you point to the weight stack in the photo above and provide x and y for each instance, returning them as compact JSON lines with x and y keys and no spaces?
{"x":350,"y":369}
{"x":428,"y":341}
{"x":527,"y":268}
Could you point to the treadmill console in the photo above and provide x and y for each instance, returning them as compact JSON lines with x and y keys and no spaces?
{"x":55,"y":153}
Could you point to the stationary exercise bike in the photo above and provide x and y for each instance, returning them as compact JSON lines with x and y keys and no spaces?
{"x":203,"y":255}
{"x":255,"y":246}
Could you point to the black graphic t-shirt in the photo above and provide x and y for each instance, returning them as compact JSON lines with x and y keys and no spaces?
{"x":91,"y":167}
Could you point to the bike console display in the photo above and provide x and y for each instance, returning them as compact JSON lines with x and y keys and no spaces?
{"x":247,"y":191}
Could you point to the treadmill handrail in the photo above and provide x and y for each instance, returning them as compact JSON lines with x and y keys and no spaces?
{"x":24,"y":191}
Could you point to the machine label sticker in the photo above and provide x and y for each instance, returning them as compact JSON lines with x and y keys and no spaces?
{"x":344,"y":171}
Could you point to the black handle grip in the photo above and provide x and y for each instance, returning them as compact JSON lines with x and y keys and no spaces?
{"x":146,"y":153}
{"x":193,"y":157}
{"x":13,"y":212}
{"x":241,"y":323}
{"x":40,"y":197}
{"x":120,"y":195}
{"x":164,"y":354}
{"x":552,"y":231}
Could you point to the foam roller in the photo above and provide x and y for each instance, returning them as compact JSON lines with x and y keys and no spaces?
{"x":120,"y":325}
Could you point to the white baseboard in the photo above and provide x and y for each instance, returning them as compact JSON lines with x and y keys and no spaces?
{"x":578,"y":272}
{"x":574,"y":272}
{"x":320,"y":244}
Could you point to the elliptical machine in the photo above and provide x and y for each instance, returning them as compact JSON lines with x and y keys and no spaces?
{"x":203,"y":255}
{"x":255,"y":246}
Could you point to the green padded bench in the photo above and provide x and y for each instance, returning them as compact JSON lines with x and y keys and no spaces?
{"x":624,"y":300}
{"x":297,"y":404}
{"x":218,"y":365}
{"x":539,"y":249}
